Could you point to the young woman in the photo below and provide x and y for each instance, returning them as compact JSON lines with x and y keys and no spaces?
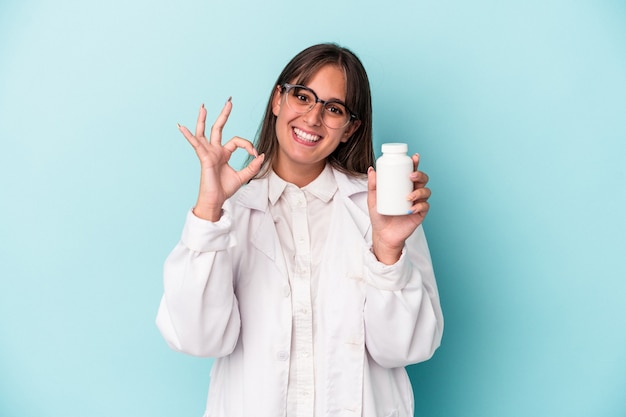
{"x":311,"y":302}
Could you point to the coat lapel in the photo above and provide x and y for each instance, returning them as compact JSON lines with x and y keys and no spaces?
{"x":353,"y":194}
{"x":263,"y":234}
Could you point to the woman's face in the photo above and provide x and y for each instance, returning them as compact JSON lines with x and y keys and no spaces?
{"x":304,"y":141}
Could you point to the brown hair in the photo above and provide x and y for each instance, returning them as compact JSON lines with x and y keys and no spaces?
{"x":352,"y":157}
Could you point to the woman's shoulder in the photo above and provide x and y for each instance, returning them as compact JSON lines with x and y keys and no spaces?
{"x":350,"y":184}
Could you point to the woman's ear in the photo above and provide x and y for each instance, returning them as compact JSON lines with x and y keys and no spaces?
{"x":276,"y":101}
{"x":352,"y":127}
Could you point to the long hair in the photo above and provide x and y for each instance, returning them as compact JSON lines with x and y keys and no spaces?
{"x":352,"y":157}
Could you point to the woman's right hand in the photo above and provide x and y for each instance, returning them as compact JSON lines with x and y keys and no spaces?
{"x":218,"y":180}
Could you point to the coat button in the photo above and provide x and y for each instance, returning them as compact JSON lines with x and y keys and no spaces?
{"x":282,"y":355}
{"x":286,"y":291}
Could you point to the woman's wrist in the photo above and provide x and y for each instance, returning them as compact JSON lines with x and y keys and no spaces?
{"x":207,"y":212}
{"x":386,"y":254}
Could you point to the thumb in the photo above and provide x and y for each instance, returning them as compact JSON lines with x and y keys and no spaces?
{"x":253,"y":168}
{"x":371,"y":187}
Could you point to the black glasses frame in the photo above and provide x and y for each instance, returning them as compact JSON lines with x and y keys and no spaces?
{"x":285,"y":87}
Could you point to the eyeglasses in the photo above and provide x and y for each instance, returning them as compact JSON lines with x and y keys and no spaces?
{"x":301,"y":99}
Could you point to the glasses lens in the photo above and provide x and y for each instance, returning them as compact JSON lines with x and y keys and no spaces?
{"x":301,"y":100}
{"x":335,"y":115}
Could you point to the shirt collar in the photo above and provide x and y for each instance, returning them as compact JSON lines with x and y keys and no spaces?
{"x":323,"y":187}
{"x":276,"y":186}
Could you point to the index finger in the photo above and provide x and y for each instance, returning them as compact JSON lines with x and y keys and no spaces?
{"x":216,"y":129}
{"x":420,"y":179}
{"x":237,"y":142}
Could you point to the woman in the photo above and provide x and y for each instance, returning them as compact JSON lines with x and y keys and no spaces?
{"x":311,"y":302}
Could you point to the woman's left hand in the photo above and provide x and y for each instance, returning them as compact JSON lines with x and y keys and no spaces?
{"x":390,"y":232}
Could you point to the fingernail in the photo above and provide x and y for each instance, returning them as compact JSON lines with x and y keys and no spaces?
{"x":229,"y":99}
{"x":202,"y":106}
{"x":178,"y":124}
{"x":409,"y":212}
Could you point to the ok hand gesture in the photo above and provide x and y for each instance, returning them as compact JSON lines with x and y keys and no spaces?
{"x":218,"y":180}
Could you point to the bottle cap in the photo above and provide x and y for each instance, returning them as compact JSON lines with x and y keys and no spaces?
{"x":395,"y":148}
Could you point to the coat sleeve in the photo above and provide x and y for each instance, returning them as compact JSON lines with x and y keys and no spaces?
{"x":402,"y":313}
{"x":199,"y":314}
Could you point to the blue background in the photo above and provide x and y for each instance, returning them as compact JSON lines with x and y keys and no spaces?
{"x":517,"y":108}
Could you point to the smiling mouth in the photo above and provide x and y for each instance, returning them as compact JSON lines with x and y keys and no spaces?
{"x":306,"y":137}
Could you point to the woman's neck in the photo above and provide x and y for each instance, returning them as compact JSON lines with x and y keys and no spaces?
{"x":300,"y":175}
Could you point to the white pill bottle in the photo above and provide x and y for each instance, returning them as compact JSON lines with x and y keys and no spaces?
{"x":393,"y":184}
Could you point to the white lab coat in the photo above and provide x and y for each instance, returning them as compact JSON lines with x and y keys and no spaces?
{"x":227,"y":296}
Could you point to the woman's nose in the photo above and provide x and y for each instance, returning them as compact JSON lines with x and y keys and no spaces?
{"x":314,"y":116}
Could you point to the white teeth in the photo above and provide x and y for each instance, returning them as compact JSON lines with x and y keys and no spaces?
{"x":306,"y":136}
